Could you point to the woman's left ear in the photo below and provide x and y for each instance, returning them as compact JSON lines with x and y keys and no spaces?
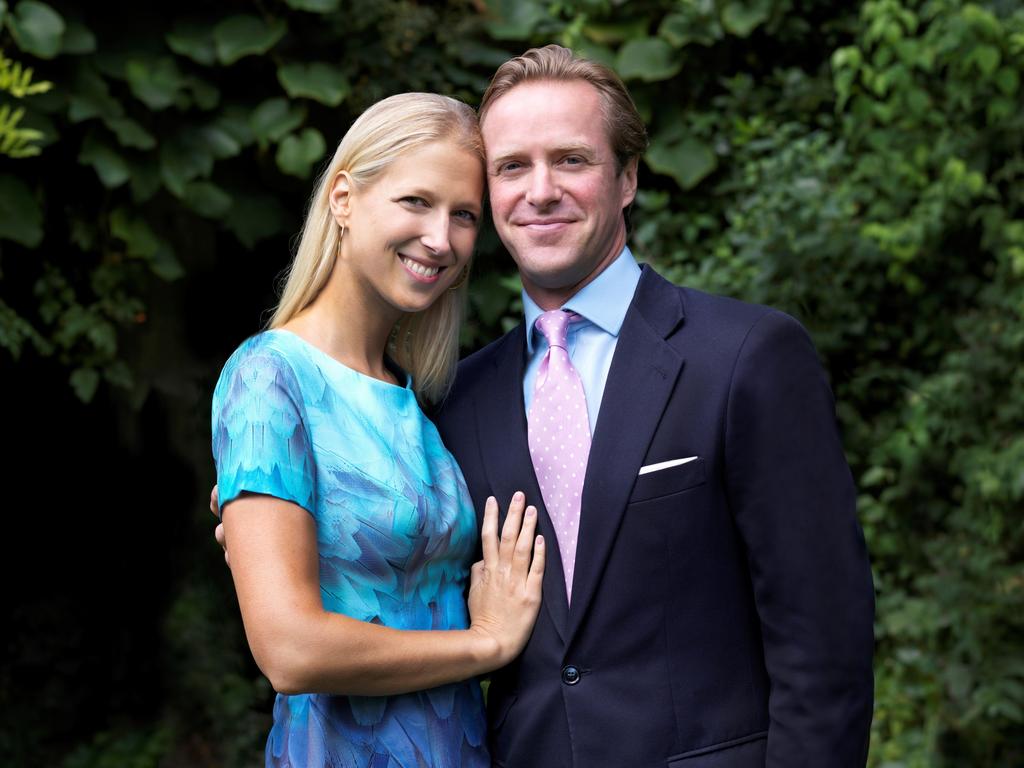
{"x":340,"y":198}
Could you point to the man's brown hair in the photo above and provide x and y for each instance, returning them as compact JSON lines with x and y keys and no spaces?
{"x":626,"y":132}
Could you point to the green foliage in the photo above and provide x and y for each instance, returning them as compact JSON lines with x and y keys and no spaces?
{"x":16,"y":141}
{"x":37,"y":29}
{"x":858,"y":165}
{"x":174,"y":125}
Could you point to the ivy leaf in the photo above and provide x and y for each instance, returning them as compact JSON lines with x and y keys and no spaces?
{"x":741,"y":19}
{"x":145,"y":178}
{"x":608,"y":33}
{"x":165,"y":264}
{"x":315,"y":6}
{"x":234,"y":121}
{"x":155,"y":82}
{"x":514,"y":19}
{"x":274,"y":119}
{"x":119,"y":374}
{"x":109,"y":166}
{"x":36,"y":28}
{"x":219,"y":141}
{"x":318,"y":81}
{"x":78,"y":39}
{"x":648,"y":59}
{"x":84,"y":382}
{"x":296,"y":155}
{"x":254,"y":218}
{"x":20,"y":217}
{"x":243,"y":35}
{"x":103,"y":337}
{"x":184,"y":157}
{"x":1007,"y":80}
{"x":596,"y":52}
{"x":681,"y":29}
{"x":687,"y":161}
{"x":139,"y":239}
{"x":207,"y":199}
{"x":206,"y":95}
{"x":194,"y":41}
{"x":986,"y":58}
{"x":90,"y":97}
{"x":130,"y":134}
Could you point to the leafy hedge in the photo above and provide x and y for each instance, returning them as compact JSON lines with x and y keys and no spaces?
{"x":859,"y":166}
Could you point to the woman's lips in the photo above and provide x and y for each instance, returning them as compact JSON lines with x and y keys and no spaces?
{"x":425,"y":273}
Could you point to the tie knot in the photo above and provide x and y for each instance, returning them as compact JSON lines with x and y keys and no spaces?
{"x":555,"y":326}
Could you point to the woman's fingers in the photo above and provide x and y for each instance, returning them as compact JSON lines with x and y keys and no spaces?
{"x":535,"y":577}
{"x":524,"y":543}
{"x":510,"y":531}
{"x":519,"y":554}
{"x":489,"y":532}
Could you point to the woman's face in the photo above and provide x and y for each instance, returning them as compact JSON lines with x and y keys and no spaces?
{"x":410,"y":232}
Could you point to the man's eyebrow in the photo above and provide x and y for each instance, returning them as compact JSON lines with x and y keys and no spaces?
{"x":580,"y":148}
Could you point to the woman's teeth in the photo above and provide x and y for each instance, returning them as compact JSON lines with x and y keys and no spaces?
{"x":420,"y":269}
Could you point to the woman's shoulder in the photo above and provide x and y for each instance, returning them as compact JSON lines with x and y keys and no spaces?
{"x":264,"y":360}
{"x":269,"y":352}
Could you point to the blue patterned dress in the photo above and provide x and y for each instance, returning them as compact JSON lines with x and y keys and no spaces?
{"x":395,"y":533}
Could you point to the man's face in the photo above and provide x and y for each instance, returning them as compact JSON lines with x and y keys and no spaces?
{"x":556,"y":197}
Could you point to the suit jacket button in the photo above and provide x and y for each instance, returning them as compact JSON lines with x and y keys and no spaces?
{"x":570,"y":675}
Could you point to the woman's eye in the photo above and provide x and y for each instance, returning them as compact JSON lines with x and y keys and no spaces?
{"x":467,"y":216}
{"x":413,"y":200}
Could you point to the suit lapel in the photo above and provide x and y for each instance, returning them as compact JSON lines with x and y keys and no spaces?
{"x":643,"y":375}
{"x":506,"y":451}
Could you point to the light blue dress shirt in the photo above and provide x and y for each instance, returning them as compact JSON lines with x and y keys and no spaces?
{"x":602,"y":306}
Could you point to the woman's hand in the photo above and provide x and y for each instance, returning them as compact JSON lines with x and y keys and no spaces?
{"x":505,"y":590}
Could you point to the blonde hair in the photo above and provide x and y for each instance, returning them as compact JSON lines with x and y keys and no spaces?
{"x":426,"y":343}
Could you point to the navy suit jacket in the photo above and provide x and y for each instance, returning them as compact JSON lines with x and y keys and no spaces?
{"x":722,"y":609}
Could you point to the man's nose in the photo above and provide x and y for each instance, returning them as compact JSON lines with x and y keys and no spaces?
{"x":543,"y":190}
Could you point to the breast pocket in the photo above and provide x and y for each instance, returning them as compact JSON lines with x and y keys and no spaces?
{"x":664,"y":482}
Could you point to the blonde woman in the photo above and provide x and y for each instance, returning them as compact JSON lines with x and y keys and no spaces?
{"x":348,"y":525}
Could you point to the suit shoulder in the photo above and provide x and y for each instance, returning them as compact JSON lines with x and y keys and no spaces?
{"x":471,"y":371}
{"x":726,"y":319}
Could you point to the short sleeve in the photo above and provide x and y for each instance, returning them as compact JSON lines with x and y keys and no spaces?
{"x":261,"y":442}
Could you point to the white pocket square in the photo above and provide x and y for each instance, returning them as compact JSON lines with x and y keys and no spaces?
{"x":665,"y":465}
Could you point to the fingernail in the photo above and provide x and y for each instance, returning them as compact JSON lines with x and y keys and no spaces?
{"x":518,"y":496}
{"x":530,"y":511}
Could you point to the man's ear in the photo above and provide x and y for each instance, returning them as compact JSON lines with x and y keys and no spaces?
{"x":629,"y":182}
{"x":340,"y":197}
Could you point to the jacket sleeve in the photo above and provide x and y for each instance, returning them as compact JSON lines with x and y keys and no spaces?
{"x":794,"y":502}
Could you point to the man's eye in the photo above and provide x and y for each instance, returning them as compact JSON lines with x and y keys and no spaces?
{"x":573,"y":160}
{"x":509,"y":167}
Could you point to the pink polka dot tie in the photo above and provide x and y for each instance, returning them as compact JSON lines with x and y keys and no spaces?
{"x":559,"y":435}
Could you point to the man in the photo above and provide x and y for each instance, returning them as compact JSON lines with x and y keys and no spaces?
{"x":709,"y":602}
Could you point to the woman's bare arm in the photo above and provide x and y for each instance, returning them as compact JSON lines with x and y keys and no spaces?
{"x":300,"y":647}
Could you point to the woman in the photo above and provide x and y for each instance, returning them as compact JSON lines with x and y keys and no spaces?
{"x":348,"y":525}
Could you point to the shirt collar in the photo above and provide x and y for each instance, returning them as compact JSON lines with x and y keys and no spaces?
{"x":604,"y":301}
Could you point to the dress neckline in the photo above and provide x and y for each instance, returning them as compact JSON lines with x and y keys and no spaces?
{"x":390,"y":364}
